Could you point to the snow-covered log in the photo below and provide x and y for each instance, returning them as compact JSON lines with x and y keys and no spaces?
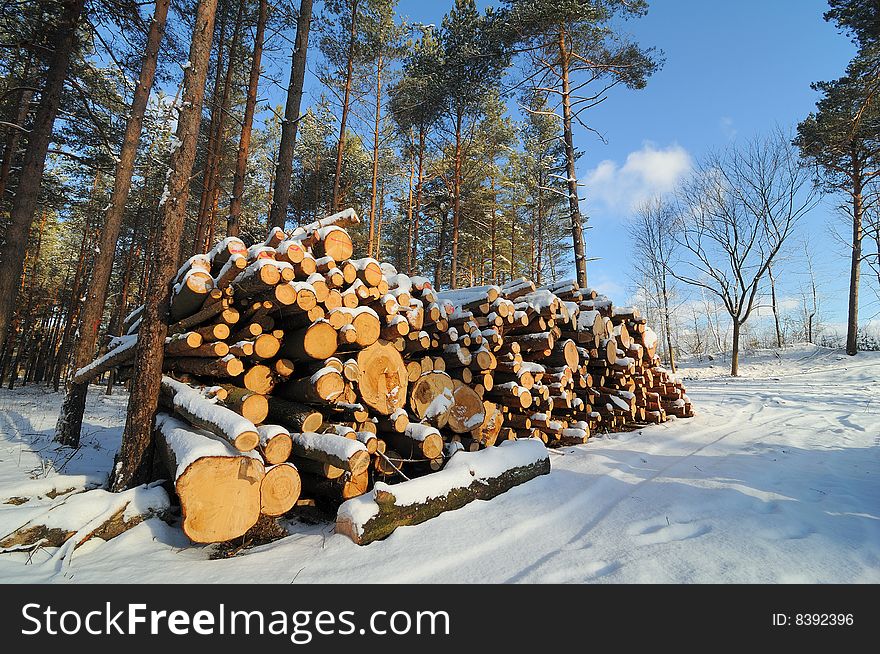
{"x":467,"y":477}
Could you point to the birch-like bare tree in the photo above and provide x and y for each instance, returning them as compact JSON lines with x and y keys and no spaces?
{"x":738,"y":209}
{"x":652,"y":233}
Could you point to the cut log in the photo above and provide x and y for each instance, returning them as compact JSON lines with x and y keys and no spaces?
{"x":279,"y":489}
{"x":336,"y":450}
{"x":218,"y":332}
{"x":250,"y":405}
{"x":204,"y":414}
{"x":189,"y":294}
{"x":275,"y":443}
{"x":431,"y":397}
{"x":383,"y":378}
{"x":323,"y":386}
{"x":317,"y":341}
{"x":218,"y":488}
{"x":418,"y":441}
{"x":467,"y":477}
{"x":467,"y":411}
{"x":228,"y":366}
{"x":257,"y":278}
{"x":182,"y":344}
{"x":295,"y":417}
{"x":230,"y":270}
{"x":266,"y":346}
{"x":344,"y":487}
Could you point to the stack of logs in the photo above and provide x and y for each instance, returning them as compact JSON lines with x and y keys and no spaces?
{"x":294,"y":370}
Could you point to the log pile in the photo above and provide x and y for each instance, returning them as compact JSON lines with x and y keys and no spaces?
{"x":294,"y":369}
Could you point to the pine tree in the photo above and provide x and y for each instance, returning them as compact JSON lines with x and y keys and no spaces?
{"x":577,"y":57}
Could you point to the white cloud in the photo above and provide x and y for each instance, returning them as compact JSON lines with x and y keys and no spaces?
{"x":646,"y":173}
{"x":727,"y":128}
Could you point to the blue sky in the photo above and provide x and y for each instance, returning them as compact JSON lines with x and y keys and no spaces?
{"x":733,"y":70}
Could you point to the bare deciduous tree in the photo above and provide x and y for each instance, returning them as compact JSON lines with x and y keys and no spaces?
{"x":738,"y":209}
{"x":653,"y":237}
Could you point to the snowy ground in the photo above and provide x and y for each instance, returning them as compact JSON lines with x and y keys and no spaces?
{"x":776,"y":480}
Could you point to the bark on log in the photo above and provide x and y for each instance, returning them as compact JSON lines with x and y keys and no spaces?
{"x":336,"y":450}
{"x":376,"y":515}
{"x":204,"y":414}
{"x":296,"y":417}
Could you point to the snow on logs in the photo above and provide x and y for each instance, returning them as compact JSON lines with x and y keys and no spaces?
{"x":318,"y":373}
{"x":467,"y":477}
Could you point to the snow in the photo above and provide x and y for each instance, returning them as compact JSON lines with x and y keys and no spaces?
{"x":419,"y":432}
{"x":649,"y":338}
{"x":774,"y":481}
{"x":123,"y":343}
{"x":440,"y":405}
{"x":268,"y":432}
{"x":338,"y":446}
{"x":190,"y":443}
{"x":194,"y":403}
{"x":462,"y":470}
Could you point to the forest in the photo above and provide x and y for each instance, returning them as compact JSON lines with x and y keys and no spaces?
{"x":136,"y":135}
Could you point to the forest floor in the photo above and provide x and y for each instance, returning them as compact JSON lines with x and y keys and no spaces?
{"x":777,"y":479}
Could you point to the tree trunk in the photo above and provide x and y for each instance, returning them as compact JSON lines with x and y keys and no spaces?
{"x":27,"y":195}
{"x":67,"y":430}
{"x":343,"y":121}
{"x":852,"y":323}
{"x":122,"y":304}
{"x":375,"y":181}
{"x":493,"y":238}
{"x":456,"y":203}
{"x":409,"y":205}
{"x":23,"y":105}
{"x":539,"y":260}
{"x":775,"y":308}
{"x":210,"y":147}
{"x":667,"y":326}
{"x":74,"y":302}
{"x":284,"y":169}
{"x":418,"y":207}
{"x":233,"y":223}
{"x":207,"y":221}
{"x":135,"y":456}
{"x":577,"y":229}
{"x":734,"y":355}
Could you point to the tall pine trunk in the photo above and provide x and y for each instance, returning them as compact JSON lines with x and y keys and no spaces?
{"x":418,"y":207}
{"x":375,"y":180}
{"x":24,"y":206}
{"x":577,"y":228}
{"x":456,"y":203}
{"x":852,"y":323}
{"x":67,"y":430}
{"x":73,"y":308}
{"x":211,"y":145}
{"x":284,"y":168}
{"x":23,"y":104}
{"x":346,"y":101}
{"x":205,"y":230}
{"x":233,"y":224}
{"x":134,"y":461}
{"x":409,"y":204}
